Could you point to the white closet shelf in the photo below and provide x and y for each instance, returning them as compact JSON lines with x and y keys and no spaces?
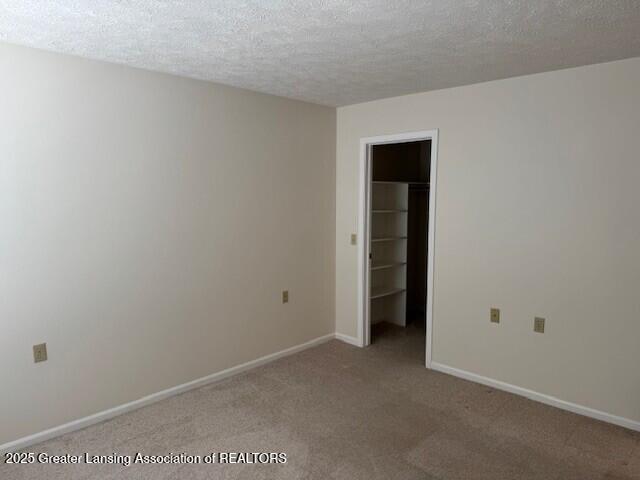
{"x":379,"y":292}
{"x":387,"y":239}
{"x":400,"y":183}
{"x":383,"y":265}
{"x":389,"y":211}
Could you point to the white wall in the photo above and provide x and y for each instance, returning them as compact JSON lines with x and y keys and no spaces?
{"x":538,"y":213}
{"x":148,"y":225}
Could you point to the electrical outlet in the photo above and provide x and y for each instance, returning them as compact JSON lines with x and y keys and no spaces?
{"x":40,"y":353}
{"x":354,"y":239}
{"x":538,"y":325}
{"x":285,"y":296}
{"x":495,"y":315}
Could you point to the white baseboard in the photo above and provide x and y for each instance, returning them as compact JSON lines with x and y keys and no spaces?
{"x":348,"y":339}
{"x":539,"y":397}
{"x":156,"y":397}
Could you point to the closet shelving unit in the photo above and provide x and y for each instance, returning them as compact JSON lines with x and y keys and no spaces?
{"x":397,"y":240}
{"x":388,"y":247}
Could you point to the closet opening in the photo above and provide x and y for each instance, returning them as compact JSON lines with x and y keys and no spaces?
{"x":397,"y":266}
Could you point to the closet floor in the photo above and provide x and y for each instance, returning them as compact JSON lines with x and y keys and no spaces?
{"x":341,"y":412}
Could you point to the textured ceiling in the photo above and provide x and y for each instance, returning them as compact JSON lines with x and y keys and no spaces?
{"x":332,"y":52}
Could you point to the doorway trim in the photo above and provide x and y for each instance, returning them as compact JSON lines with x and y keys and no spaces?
{"x":364,"y":230}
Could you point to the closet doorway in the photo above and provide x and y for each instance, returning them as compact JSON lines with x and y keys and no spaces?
{"x":397,"y":228}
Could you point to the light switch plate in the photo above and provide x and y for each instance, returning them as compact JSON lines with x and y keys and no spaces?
{"x":495,"y":315}
{"x":354,"y":239}
{"x":40,"y":353}
{"x":538,"y":325}
{"x":285,"y":296}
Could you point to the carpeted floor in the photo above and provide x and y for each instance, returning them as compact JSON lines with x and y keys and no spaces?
{"x":340,"y":412}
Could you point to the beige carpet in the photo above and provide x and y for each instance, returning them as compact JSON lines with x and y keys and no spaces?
{"x":340,"y":412}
